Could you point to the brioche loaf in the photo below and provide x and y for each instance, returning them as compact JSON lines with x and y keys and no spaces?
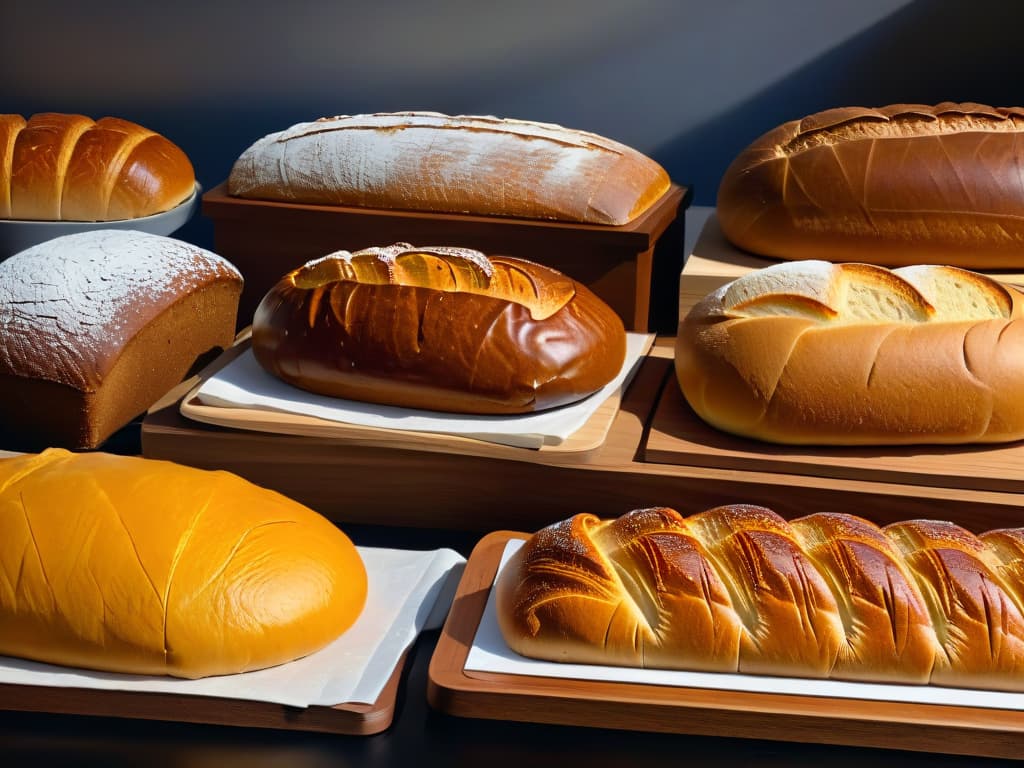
{"x":446,"y":329}
{"x":95,"y":327}
{"x":133,"y":565}
{"x":67,"y":167}
{"x":900,"y":185}
{"x":811,"y":352}
{"x":464,"y":164}
{"x":738,"y":589}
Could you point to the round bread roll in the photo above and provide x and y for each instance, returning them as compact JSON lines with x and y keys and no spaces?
{"x":739,"y":589}
{"x":57,"y":167}
{"x":852,"y":354}
{"x":134,"y":565}
{"x":899,"y":185}
{"x":444,"y":329}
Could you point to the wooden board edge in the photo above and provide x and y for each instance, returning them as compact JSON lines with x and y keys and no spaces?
{"x":454,"y":691}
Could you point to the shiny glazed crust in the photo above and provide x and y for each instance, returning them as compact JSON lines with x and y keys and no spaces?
{"x":58,"y":167}
{"x":444,"y":329}
{"x":738,"y":589}
{"x":133,"y":565}
{"x":902,"y":184}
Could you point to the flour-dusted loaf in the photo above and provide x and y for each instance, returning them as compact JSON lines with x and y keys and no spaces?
{"x":456,"y":164}
{"x":95,"y":327}
{"x":445,"y":329}
{"x":738,"y":589}
{"x":133,"y":565}
{"x":68,"y":167}
{"x":843,"y":354}
{"x":898,"y":185}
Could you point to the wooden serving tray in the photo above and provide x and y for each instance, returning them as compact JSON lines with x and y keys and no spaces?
{"x":633,"y":267}
{"x":350,"y":719}
{"x":715,"y":261}
{"x":679,"y":436}
{"x":779,"y":717}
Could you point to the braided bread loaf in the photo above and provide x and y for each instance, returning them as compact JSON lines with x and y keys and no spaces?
{"x":845,"y":354}
{"x":738,"y":589}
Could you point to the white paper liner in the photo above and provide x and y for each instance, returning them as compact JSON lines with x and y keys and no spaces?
{"x":242,"y":383}
{"x":489,"y":653}
{"x":408,"y":592}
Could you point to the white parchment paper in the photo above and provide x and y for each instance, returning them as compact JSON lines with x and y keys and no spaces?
{"x":242,"y":383}
{"x":408,"y":592}
{"x":489,"y":653}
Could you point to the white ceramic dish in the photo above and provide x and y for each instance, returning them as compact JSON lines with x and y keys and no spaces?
{"x":18,"y":235}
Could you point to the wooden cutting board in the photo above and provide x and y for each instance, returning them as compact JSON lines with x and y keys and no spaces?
{"x":780,"y":717}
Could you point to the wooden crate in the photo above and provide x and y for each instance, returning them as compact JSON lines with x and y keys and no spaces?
{"x":634,"y":267}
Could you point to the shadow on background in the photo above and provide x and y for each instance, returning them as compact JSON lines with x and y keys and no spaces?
{"x":928,"y":52}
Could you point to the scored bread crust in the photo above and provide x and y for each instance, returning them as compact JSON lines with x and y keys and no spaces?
{"x":133,"y":565}
{"x":456,"y":164}
{"x":898,"y":185}
{"x":739,"y":589}
{"x":443,"y":329}
{"x":815,"y":353}
{"x":69,"y":168}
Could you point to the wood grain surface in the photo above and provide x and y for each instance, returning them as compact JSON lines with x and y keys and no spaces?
{"x":782,"y":717}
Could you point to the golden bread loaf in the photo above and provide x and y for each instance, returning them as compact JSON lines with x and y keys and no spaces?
{"x":899,"y":185}
{"x":427,"y":161}
{"x":57,"y":167}
{"x":95,"y":327}
{"x":845,"y":354}
{"x":134,"y":565}
{"x":445,"y":329}
{"x":739,"y":589}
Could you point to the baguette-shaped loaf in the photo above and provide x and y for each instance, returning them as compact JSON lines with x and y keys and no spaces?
{"x":899,"y":185}
{"x":738,"y":589}
{"x":133,"y":565}
{"x":445,"y":329}
{"x":70,"y":168}
{"x":812,"y":352}
{"x":97,"y":326}
{"x":454,"y":164}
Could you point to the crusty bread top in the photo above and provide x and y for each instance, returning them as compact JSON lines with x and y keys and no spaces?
{"x":863,"y":293}
{"x":69,"y":305}
{"x":542,"y":290}
{"x":452,"y":163}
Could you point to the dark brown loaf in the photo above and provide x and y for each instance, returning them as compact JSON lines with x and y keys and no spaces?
{"x":446,"y":329}
{"x":454,"y":164}
{"x":95,"y":327}
{"x":902,"y":184}
{"x":67,"y":167}
{"x":738,"y":589}
{"x":844,"y":354}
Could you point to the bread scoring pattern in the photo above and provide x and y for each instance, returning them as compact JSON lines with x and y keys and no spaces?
{"x":739,"y":589}
{"x":811,"y":352}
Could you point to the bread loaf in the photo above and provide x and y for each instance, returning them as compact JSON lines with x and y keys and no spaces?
{"x":446,"y":329}
{"x":432,"y":162}
{"x":738,"y":589}
{"x":67,"y":167}
{"x":811,"y":352}
{"x":133,"y":565}
{"x":900,"y":185}
{"x":95,"y":327}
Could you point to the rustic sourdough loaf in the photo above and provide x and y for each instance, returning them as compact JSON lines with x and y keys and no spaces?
{"x":738,"y":589}
{"x":95,"y":327}
{"x":899,"y":185}
{"x":812,"y":352}
{"x":445,"y":329}
{"x":133,"y":565}
{"x":68,"y":167}
{"x":455,"y":164}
